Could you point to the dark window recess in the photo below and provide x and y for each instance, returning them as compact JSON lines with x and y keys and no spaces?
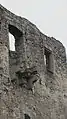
{"x":15,"y":31}
{"x":27,"y":116}
{"x":14,"y":34}
{"x":49,"y":60}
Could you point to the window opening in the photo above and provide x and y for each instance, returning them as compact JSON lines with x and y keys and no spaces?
{"x":44,"y":59}
{"x":11,"y":42}
{"x":49,"y":60}
{"x":14,"y":34}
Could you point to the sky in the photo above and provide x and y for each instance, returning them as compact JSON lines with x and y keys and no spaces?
{"x":50,"y":16}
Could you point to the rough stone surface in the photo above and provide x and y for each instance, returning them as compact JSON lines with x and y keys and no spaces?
{"x":29,"y":87}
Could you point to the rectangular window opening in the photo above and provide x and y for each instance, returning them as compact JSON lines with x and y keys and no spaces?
{"x":49,"y":60}
{"x":11,"y":42}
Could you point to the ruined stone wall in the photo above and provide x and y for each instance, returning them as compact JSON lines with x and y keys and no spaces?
{"x":29,"y":88}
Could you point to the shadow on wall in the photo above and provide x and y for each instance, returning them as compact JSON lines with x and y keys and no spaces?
{"x":26,"y":116}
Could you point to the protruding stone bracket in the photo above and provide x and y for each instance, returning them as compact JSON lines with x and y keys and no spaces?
{"x":28,"y":77}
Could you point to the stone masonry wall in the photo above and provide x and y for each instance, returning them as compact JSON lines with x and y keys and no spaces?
{"x":29,"y":87}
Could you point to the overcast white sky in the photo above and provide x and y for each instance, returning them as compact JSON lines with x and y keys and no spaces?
{"x":50,"y":16}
